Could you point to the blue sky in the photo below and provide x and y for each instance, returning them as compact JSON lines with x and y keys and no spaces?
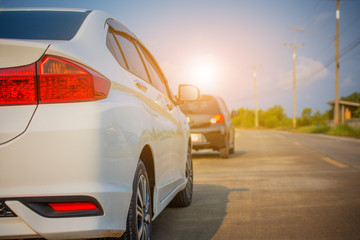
{"x":225,"y":38}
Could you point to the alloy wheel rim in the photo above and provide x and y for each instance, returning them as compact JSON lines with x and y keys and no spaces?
{"x":143,"y":209}
{"x":189,"y":175}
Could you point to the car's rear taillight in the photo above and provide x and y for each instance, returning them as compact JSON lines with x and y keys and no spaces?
{"x":62,"y":80}
{"x":218,"y":118}
{"x":18,"y":85}
{"x":54,"y":79}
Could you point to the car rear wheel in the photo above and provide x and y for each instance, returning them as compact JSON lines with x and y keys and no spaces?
{"x":184,"y":198}
{"x":140,"y":213}
{"x":225,"y":151}
{"x":232,"y":148}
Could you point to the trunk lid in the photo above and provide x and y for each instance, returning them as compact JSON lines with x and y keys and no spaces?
{"x":14,"y":119}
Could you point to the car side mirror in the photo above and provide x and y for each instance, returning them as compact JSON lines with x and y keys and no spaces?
{"x":188,"y":93}
{"x":234,"y":113}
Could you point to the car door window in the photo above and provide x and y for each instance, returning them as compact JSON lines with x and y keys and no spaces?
{"x":115,"y":50}
{"x":155,"y":73}
{"x":132,"y":57}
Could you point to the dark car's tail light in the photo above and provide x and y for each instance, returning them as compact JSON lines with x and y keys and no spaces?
{"x":18,"y":85}
{"x":54,"y":79}
{"x":218,"y":118}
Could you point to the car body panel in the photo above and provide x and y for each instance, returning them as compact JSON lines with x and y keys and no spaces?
{"x":14,"y":121}
{"x":89,"y":148}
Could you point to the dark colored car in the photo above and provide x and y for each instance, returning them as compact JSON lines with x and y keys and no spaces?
{"x":210,"y":124}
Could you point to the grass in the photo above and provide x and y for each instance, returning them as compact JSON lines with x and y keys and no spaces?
{"x":343,"y":130}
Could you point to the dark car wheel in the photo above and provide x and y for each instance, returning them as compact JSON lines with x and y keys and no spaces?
{"x":232,"y":148}
{"x":184,"y":198}
{"x":140,"y":213}
{"x":225,"y":151}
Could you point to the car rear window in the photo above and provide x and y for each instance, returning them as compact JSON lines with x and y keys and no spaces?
{"x":206,"y":105}
{"x":40,"y":25}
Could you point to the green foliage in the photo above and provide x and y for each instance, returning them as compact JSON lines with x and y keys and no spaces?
{"x":271,"y":118}
{"x":320,"y":129}
{"x":311,"y":129}
{"x":275,"y":117}
{"x":245,"y":119}
{"x":354,"y":97}
{"x":307,"y":119}
{"x":344,"y":130}
{"x":357,"y":113}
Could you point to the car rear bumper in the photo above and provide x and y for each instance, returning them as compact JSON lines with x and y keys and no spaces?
{"x":214,"y":137}
{"x":29,"y":224}
{"x":72,"y":150}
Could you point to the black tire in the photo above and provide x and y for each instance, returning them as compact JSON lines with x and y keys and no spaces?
{"x":140,"y":210}
{"x":232,"y":148}
{"x":184,"y":198}
{"x":225,"y":151}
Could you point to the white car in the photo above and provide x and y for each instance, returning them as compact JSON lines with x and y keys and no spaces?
{"x":92,"y":141}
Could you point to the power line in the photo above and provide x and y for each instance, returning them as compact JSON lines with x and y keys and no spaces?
{"x":342,"y":53}
{"x":284,"y":87}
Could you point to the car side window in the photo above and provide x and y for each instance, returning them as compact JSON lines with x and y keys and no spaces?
{"x":155,"y":73}
{"x":115,"y":50}
{"x":132,"y":57}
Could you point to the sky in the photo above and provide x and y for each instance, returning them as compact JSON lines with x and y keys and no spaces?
{"x":214,"y":44}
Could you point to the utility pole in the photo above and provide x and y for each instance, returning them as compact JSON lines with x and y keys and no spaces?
{"x":336,"y":102}
{"x":293,"y":46}
{"x":256,"y":110}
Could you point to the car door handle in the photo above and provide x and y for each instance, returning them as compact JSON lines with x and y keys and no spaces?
{"x":141,"y":86}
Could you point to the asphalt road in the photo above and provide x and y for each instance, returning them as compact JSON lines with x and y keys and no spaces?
{"x":277,"y":185}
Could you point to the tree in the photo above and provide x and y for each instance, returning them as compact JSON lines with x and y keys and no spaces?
{"x":273,"y":117}
{"x":354,"y":97}
{"x":245,"y":119}
{"x":305,"y":117}
{"x":357,"y":113}
{"x":318,"y":118}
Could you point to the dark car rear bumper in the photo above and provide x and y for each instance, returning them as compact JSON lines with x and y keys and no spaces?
{"x":214,"y":137}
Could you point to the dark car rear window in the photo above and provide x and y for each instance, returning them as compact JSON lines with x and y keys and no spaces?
{"x":206,"y":105}
{"x":40,"y":25}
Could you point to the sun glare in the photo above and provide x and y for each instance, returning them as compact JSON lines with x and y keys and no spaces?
{"x":204,"y":73}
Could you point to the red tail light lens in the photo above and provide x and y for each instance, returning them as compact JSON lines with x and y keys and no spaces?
{"x":54,"y":80}
{"x":18,"y":85}
{"x":73,"y":206}
{"x":218,"y":118}
{"x":62,"y":80}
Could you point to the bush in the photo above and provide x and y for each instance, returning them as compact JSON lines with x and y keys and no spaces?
{"x":345,"y":130}
{"x":320,"y":129}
